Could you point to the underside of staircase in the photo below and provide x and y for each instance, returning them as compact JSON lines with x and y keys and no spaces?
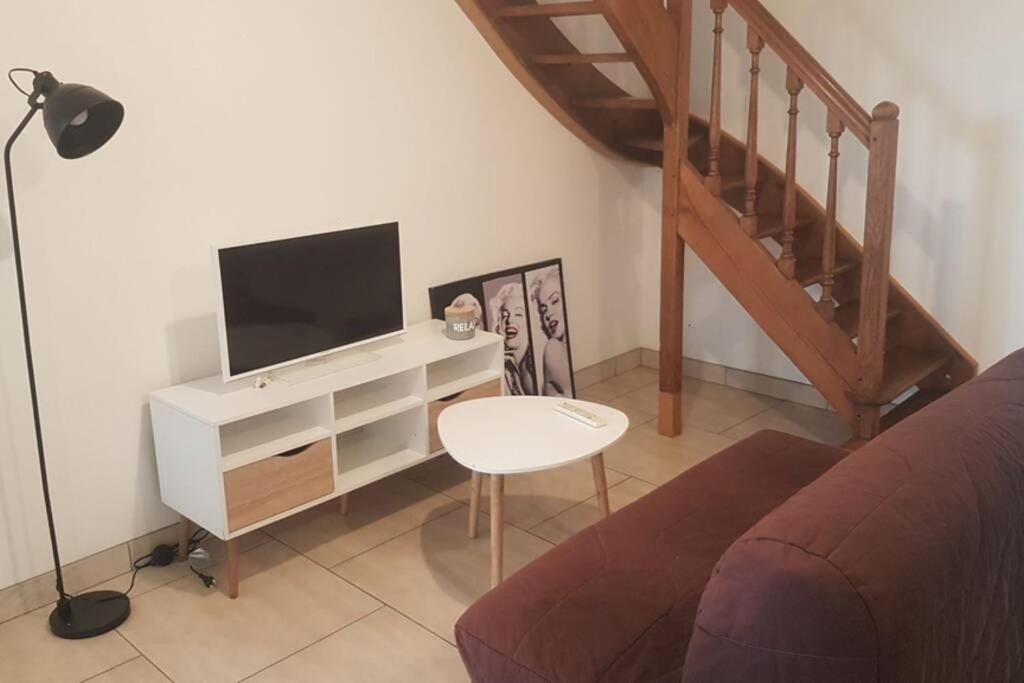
{"x":824,"y":298}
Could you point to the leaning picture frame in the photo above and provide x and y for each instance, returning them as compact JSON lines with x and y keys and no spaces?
{"x":526,"y":306}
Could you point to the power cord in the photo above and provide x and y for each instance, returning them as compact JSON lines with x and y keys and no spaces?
{"x":207,"y":580}
{"x":163,"y":555}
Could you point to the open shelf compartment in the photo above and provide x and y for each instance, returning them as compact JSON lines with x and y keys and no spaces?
{"x":381,"y":448}
{"x":458,"y":373}
{"x":269,"y":434}
{"x":380,"y":399}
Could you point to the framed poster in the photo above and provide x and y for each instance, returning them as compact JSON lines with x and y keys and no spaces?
{"x":526,"y":306}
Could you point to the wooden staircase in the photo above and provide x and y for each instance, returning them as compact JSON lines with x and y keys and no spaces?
{"x":828,"y":301}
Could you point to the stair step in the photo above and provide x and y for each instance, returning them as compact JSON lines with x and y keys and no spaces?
{"x":770,"y":226}
{"x":905,"y":368}
{"x":616,"y":103}
{"x":920,"y":400}
{"x":733,"y":183}
{"x":809,"y":271}
{"x":558,"y":9}
{"x":654,"y":144}
{"x":582,"y":58}
{"x":848,"y":317}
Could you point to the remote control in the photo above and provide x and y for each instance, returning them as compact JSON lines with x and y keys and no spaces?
{"x":581,"y":415}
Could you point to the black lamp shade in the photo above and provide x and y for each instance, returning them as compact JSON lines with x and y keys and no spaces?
{"x":80,"y":119}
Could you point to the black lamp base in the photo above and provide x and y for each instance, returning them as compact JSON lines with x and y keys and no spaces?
{"x":91,"y":615}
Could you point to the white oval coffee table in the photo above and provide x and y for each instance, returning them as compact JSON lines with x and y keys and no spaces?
{"x":519,"y":434}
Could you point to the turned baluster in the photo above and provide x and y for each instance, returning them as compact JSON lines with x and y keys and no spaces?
{"x":749,"y":219}
{"x":787,"y":262}
{"x":713,"y":181}
{"x":826,"y":304}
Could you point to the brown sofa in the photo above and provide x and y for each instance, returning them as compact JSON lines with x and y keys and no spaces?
{"x":771,"y":562}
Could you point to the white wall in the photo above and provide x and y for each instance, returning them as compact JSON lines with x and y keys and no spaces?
{"x":958,"y":241}
{"x":247,"y":120}
{"x":254,"y":119}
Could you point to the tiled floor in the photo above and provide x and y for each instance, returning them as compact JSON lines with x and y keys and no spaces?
{"x":373,"y":596}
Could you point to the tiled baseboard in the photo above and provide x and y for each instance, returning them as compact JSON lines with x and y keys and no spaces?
{"x":105,"y":565}
{"x":607,"y":369}
{"x":784,"y":389}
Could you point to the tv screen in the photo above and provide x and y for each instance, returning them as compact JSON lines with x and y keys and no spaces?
{"x":292,"y":299}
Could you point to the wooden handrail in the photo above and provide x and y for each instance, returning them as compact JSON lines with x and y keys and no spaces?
{"x":839,"y":102}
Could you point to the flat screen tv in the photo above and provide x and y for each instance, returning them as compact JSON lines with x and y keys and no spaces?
{"x":291,"y":300}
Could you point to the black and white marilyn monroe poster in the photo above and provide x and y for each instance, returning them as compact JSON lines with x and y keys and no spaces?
{"x":526,"y":306}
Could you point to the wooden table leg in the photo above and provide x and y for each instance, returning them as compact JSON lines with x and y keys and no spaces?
{"x":184,"y":533}
{"x":475,"y":484}
{"x":497,"y":527}
{"x":601,"y":483}
{"x":343,"y":504}
{"x":233,"y":552}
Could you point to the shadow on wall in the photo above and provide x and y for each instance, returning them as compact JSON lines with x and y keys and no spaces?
{"x":954,"y":171}
{"x":21,"y":507}
{"x":193,"y":348}
{"x":954,"y":239}
{"x":620,"y":253}
{"x":148,"y":516}
{"x":956,"y":167}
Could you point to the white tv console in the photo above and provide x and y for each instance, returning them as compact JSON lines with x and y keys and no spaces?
{"x":233,"y":458}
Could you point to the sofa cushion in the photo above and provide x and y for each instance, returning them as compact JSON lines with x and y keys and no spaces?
{"x":903,"y":563}
{"x":617,"y":601}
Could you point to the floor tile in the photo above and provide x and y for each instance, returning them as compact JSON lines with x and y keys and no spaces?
{"x":377,"y":513}
{"x":138,"y":670}
{"x":569,"y":523}
{"x":636,"y":416}
{"x":287,"y":602}
{"x":29,"y":652}
{"x":646,"y":455}
{"x":811,"y":423}
{"x":620,"y":385}
{"x":529,"y":498}
{"x":433,"y":573}
{"x":383,"y":647}
{"x":441,"y":474}
{"x":706,"y":406}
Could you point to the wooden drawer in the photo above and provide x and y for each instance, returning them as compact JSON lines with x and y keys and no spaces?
{"x":435,"y":408}
{"x":269,"y":487}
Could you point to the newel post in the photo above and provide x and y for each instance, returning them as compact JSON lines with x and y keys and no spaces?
{"x":878,"y":217}
{"x":676,"y":144}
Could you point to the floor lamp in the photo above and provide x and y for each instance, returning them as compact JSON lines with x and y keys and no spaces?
{"x":79,"y":120}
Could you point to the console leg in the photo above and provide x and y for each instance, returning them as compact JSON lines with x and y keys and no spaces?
{"x":184,"y":533}
{"x":343,"y":504}
{"x":233,"y":552}
{"x":475,"y":484}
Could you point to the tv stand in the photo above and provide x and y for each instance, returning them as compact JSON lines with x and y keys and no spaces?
{"x":318,"y":367}
{"x":233,"y":459}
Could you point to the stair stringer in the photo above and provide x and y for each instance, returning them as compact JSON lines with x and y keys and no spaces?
{"x":779,"y":305}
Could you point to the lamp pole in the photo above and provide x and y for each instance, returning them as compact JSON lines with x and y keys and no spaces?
{"x":78,"y":120}
{"x":63,"y":604}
